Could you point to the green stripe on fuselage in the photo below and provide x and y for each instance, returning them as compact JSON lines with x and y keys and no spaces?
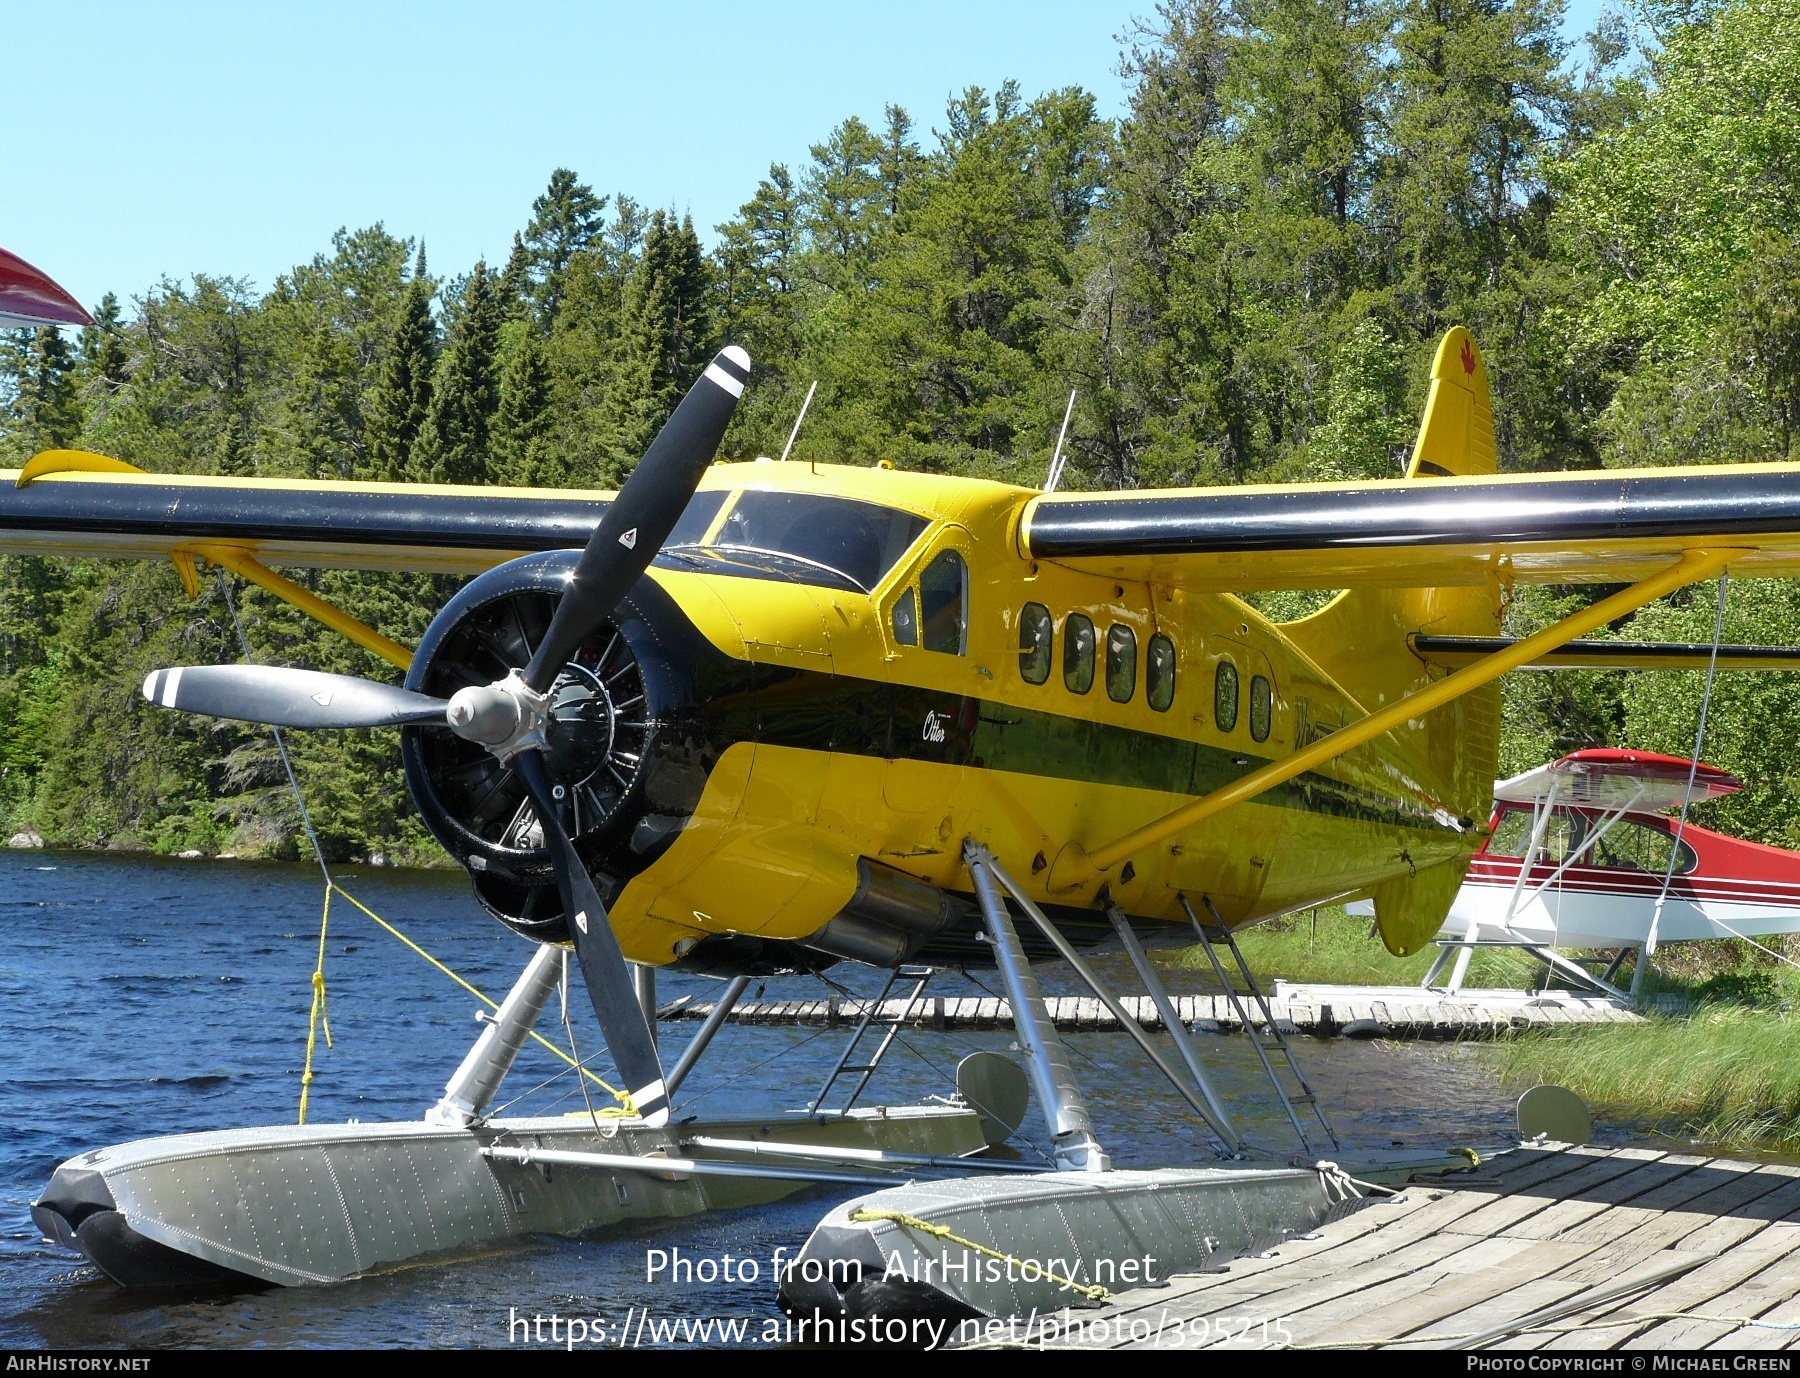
{"x":816,"y":711}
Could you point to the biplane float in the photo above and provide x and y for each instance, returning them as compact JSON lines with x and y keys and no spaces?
{"x":749,"y":717}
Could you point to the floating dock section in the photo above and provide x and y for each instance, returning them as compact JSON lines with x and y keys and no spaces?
{"x":1324,"y":1012}
{"x":1542,"y":1248}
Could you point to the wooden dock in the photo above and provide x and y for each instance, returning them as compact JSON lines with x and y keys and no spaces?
{"x":1379,"y":1013}
{"x":1542,"y":1248}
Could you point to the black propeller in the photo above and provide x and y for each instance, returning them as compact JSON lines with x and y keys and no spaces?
{"x":508,"y":716}
{"x":645,"y":512}
{"x":279,"y":697}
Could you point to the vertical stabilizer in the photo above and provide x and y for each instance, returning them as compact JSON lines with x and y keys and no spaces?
{"x":1360,"y":640}
{"x":1456,"y":436}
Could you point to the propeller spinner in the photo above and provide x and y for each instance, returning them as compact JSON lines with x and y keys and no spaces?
{"x":508,"y":717}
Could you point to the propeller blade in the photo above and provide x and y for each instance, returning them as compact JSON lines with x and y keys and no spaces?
{"x":645,"y":512}
{"x":603,"y":968}
{"x":280,"y":697}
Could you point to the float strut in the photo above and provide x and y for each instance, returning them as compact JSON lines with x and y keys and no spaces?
{"x":1220,"y":1118}
{"x":721,"y":1011}
{"x":643,"y":981}
{"x":1072,"y":1142}
{"x":471,"y":1089}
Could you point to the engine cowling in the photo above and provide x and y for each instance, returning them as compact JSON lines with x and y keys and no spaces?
{"x":627,"y":748}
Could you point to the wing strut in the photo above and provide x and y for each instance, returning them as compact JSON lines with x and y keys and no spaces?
{"x":1076,"y":869}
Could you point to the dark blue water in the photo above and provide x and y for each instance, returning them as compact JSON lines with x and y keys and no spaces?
{"x":148,"y":997}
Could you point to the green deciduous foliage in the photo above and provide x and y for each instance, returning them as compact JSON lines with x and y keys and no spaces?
{"x":1243,"y":279}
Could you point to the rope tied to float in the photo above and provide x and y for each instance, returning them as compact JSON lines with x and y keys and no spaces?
{"x":1092,"y":1291}
{"x":319,"y":1015}
{"x":1346,"y":1188}
{"x":318,"y":1018}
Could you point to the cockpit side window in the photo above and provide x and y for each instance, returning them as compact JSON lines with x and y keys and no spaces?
{"x":843,"y":537}
{"x":944,"y":604}
{"x":906,"y":618}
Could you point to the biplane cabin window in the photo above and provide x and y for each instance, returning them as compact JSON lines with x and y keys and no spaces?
{"x":1078,"y":654}
{"x":1632,"y":846}
{"x":1037,"y":637}
{"x":1262,"y":707}
{"x":906,"y":618}
{"x":1159,"y":673}
{"x":1121,"y":663}
{"x":944,"y":604}
{"x":1225,"y":695}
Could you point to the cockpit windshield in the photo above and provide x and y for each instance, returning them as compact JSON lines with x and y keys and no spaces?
{"x":808,"y":537}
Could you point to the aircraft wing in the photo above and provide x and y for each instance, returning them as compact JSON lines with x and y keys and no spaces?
{"x":70,"y":503}
{"x":1609,"y":526}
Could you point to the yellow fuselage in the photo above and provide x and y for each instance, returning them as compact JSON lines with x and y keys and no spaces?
{"x":976,"y":750}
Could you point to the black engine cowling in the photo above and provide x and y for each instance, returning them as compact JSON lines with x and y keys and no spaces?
{"x":628,"y":749}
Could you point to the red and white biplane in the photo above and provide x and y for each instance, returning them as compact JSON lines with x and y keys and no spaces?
{"x":1581,"y":858}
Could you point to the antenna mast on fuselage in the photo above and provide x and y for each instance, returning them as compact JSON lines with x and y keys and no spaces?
{"x":1056,"y":468}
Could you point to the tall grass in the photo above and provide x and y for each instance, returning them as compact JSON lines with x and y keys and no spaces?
{"x":1727,"y":1075}
{"x":1332,"y":948}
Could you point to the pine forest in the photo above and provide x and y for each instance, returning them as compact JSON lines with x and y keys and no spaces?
{"x":1242,"y":280}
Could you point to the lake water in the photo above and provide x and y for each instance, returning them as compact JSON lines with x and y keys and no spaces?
{"x":148,"y":997}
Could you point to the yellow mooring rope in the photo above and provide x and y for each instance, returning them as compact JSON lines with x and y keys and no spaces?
{"x":319,"y":1016}
{"x":625,"y":1106}
{"x":1095,"y":1292}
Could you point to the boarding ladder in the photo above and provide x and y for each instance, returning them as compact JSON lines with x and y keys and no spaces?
{"x":1269,"y":1042}
{"x":874,"y":1016}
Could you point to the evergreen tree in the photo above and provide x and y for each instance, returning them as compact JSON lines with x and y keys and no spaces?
{"x":45,"y":402}
{"x":515,"y":282}
{"x":104,"y":353}
{"x":566,"y":220}
{"x":522,"y":424}
{"x":846,"y":202}
{"x":665,"y":337}
{"x":401,"y":398}
{"x":453,"y":445}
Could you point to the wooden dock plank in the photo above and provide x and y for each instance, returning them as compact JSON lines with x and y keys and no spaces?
{"x":1497,"y":1267}
{"x":1472,"y":1250}
{"x":1435,"y":1207}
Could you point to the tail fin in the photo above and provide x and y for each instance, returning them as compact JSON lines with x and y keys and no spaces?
{"x":1360,"y":640}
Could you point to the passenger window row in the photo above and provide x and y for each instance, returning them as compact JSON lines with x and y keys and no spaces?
{"x":1225,"y":701}
{"x":1037,"y":646}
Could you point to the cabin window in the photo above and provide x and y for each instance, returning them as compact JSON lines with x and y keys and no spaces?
{"x":1078,"y":654}
{"x":944,"y":603}
{"x":906,"y":618}
{"x":1262,"y":707}
{"x":1121,"y":663}
{"x":1513,"y":834}
{"x":1225,"y":695}
{"x":1159,"y":673}
{"x":1632,"y":846}
{"x":1036,"y":635}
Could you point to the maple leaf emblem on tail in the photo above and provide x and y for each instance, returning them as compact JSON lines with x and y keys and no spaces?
{"x":1468,"y":358}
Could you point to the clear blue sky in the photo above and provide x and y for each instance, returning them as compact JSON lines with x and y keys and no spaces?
{"x":152,"y":139}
